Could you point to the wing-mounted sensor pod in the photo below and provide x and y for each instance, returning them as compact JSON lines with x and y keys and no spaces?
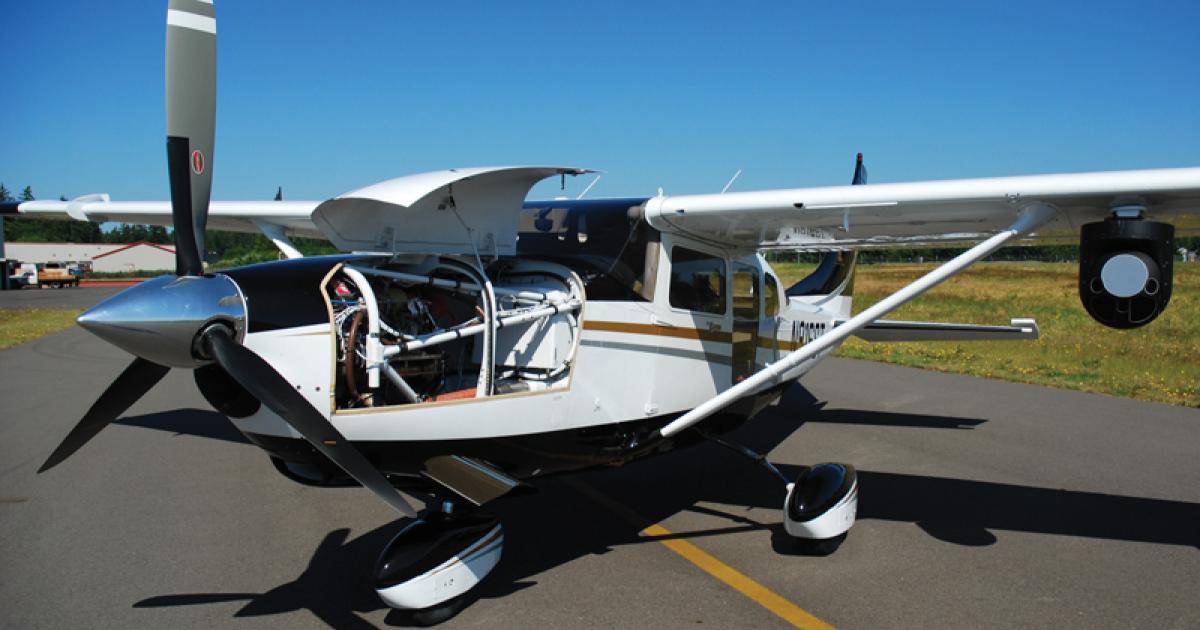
{"x":1125,"y":268}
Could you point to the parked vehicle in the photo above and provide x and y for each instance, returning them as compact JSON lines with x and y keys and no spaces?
{"x":22,"y":275}
{"x":57,"y":275}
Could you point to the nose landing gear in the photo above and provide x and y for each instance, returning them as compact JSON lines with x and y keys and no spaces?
{"x":429,"y":567}
{"x":821,"y":504}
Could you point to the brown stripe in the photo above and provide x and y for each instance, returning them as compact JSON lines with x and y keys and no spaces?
{"x":660,"y":331}
{"x":768,"y":343}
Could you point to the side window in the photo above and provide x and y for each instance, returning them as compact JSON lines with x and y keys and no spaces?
{"x":770,"y":295}
{"x":745,"y":293}
{"x":697,"y":281}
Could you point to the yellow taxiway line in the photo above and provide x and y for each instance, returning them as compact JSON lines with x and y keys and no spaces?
{"x":740,"y":582}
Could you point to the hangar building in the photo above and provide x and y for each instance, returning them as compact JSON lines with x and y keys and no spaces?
{"x":107,"y":257}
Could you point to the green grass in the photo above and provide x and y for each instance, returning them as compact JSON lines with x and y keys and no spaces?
{"x":20,"y":325}
{"x":1159,"y":362}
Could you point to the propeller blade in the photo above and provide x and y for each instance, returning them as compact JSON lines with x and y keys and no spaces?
{"x":260,"y":379}
{"x":191,"y":116}
{"x":132,"y":384}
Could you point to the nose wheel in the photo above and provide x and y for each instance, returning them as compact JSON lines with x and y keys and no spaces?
{"x":431,"y":565}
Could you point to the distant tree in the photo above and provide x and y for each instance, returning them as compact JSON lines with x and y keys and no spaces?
{"x":62,"y":197}
{"x":279,"y":194}
{"x":24,"y":229}
{"x":159,"y":234}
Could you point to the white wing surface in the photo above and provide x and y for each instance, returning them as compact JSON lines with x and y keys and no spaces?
{"x":922,"y":213}
{"x":237,"y":216}
{"x":408,"y":213}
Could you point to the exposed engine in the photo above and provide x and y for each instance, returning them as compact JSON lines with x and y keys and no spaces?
{"x":413,"y":330}
{"x":1125,"y":269}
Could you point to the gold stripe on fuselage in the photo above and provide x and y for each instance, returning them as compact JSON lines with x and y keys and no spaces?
{"x":721,"y":336}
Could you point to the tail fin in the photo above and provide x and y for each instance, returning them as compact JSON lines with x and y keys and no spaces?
{"x":834,"y":275}
{"x":860,"y":172}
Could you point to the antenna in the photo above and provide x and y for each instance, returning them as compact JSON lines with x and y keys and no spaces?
{"x":589,"y":187}
{"x":731,"y":180}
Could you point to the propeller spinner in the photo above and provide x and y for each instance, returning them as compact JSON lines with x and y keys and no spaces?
{"x":190,"y":319}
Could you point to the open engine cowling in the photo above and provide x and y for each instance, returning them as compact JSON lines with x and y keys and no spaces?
{"x":1125,"y":269}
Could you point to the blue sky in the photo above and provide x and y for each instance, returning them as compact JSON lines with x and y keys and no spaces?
{"x":325,"y":97}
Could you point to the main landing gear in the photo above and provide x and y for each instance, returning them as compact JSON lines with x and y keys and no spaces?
{"x":820,"y":506}
{"x":429,"y":567}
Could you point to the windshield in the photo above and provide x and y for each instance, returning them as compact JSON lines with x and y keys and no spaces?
{"x":611,"y":248}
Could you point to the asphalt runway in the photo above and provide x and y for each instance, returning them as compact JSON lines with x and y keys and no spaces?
{"x":75,"y":297}
{"x":983,"y":504}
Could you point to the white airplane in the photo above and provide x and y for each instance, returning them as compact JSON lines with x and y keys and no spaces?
{"x":469,"y":342}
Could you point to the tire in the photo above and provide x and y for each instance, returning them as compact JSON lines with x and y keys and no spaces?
{"x":434,"y":615}
{"x":818,"y":547}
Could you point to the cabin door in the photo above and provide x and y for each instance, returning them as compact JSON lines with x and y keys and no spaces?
{"x":745,"y":320}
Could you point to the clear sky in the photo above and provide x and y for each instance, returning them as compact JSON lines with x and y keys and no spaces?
{"x":326,"y":97}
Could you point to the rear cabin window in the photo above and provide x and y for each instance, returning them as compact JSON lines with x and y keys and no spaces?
{"x":697,"y":281}
{"x":745,"y":293}
{"x":770,"y":295}
{"x":613,"y":250}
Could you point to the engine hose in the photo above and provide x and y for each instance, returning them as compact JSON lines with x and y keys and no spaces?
{"x":351,"y":353}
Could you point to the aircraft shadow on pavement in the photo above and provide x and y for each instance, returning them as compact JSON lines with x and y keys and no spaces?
{"x":559,"y":525}
{"x":198,"y":422}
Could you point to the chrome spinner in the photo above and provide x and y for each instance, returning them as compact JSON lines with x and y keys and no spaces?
{"x":159,"y":319}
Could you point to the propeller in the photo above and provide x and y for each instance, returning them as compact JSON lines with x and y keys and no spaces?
{"x":191,"y":78}
{"x":191,"y":319}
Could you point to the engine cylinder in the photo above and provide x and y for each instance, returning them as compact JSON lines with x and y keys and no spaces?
{"x":1125,"y":270}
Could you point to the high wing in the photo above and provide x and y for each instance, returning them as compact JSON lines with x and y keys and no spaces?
{"x":1125,"y":262}
{"x":234,"y":216}
{"x":461,"y":211}
{"x":922,"y":213}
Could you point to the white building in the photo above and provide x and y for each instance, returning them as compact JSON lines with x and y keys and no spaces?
{"x":140,"y":256}
{"x":108,"y":257}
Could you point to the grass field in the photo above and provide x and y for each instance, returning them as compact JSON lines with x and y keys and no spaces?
{"x":26,"y":324}
{"x":1160,"y":362}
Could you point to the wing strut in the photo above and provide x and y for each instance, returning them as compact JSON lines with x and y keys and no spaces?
{"x":1028,"y":220}
{"x":277,"y":236}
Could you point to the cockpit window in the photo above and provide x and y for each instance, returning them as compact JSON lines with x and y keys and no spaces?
{"x":612,"y":249}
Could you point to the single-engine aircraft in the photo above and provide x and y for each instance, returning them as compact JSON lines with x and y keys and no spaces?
{"x":469,"y":342}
